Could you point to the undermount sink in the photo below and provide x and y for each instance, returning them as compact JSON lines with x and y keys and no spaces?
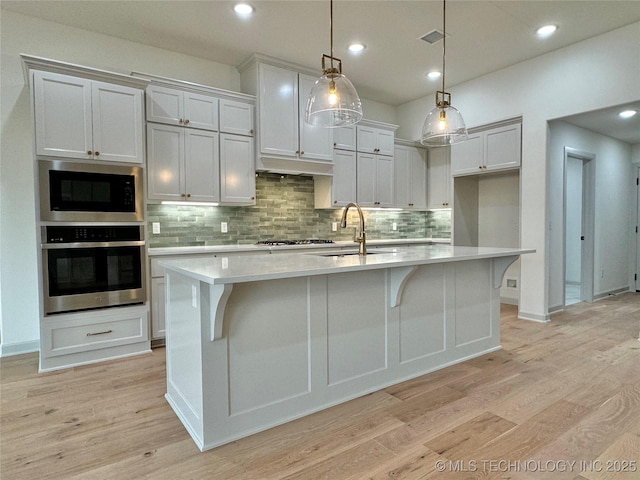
{"x":347,"y":253}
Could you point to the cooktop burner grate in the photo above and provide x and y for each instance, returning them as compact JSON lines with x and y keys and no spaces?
{"x":307,"y":241}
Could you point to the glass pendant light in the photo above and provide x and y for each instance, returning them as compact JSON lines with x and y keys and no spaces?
{"x":333,"y":100}
{"x":444,"y":124}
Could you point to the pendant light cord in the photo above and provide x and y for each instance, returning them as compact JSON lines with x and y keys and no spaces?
{"x":331,"y":30}
{"x":444,"y":41}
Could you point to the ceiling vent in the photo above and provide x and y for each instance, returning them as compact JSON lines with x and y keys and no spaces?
{"x":434,"y":36}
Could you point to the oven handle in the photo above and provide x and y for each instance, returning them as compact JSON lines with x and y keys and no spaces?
{"x":56,"y":246}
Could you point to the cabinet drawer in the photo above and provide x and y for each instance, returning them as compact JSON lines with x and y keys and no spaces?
{"x":81,"y":332}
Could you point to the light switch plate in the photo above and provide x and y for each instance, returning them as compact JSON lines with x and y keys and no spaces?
{"x":156,"y":227}
{"x":223,"y":227}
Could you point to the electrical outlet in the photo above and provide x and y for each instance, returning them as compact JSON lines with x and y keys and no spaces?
{"x":156,"y":228}
{"x":394,"y":226}
{"x":223,"y":227}
{"x":334,"y":226}
{"x":225,"y":263}
{"x":512,"y":283}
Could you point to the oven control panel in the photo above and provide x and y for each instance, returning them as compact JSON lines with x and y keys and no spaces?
{"x":75,"y":234}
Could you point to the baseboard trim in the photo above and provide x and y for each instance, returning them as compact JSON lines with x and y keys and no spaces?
{"x":556,"y":309}
{"x":611,"y":293}
{"x":19,"y":348}
{"x":534,"y":317}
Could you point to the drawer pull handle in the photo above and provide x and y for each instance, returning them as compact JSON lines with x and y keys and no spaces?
{"x":99,"y":333}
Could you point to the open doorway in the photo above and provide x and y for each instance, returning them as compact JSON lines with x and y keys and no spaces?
{"x":579,"y":212}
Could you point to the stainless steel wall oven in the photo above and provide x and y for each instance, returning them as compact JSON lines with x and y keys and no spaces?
{"x":82,"y":192}
{"x":86,"y":267}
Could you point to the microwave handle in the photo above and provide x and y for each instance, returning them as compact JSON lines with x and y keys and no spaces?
{"x":56,"y":246}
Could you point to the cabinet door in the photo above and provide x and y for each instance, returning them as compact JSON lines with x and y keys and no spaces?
{"x":366,"y":179}
{"x":502,"y":147}
{"x":417,"y":178}
{"x":344,"y":178}
{"x":117,"y":123}
{"x":157,"y":308}
{"x":316,"y":143}
{"x":62,"y":115}
{"x":468,"y":157}
{"x":164,"y":105}
{"x":439,"y":178}
{"x":236,"y":118}
{"x":401,"y":176}
{"x":278,"y":111}
{"x":385,"y":142}
{"x":344,"y":138}
{"x":384,"y":181}
{"x":200,"y":111}
{"x":366,"y":139}
{"x":201,"y":166}
{"x":165,"y":163}
{"x":237,"y":169}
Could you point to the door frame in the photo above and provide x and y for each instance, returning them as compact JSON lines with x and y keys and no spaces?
{"x":588,"y":222}
{"x":637,"y":271}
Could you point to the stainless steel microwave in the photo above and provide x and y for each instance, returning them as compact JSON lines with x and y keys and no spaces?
{"x":81,"y":192}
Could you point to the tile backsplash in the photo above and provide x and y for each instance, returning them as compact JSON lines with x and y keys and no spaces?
{"x":284,"y":210}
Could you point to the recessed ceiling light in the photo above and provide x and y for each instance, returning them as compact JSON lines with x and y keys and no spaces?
{"x":546,"y":30}
{"x":434,"y":74}
{"x":243,"y":9}
{"x":357,"y":47}
{"x":627,"y":113}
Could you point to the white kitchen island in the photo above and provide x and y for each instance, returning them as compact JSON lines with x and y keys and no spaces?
{"x":256,"y":341}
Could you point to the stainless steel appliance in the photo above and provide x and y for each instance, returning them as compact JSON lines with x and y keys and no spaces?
{"x":84,"y":192}
{"x":87,"y":267}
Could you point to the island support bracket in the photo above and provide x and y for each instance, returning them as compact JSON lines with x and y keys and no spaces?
{"x":398,"y":278}
{"x":218,"y":296}
{"x":500,"y":266}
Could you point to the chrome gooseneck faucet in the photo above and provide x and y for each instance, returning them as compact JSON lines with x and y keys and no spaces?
{"x":362,"y":238}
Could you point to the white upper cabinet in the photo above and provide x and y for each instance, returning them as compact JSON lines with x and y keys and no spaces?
{"x":375,"y":140}
{"x":187,"y":109}
{"x":315,"y":142}
{"x":439,"y":182}
{"x":87,"y":119}
{"x":488,"y":149}
{"x":183,"y":164}
{"x":237,"y":169}
{"x":344,"y":138}
{"x":374,"y":180}
{"x":286,"y":143}
{"x":236,"y":118}
{"x":189,"y":160}
{"x":410,"y":177}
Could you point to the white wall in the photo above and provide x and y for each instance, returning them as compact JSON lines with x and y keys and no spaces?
{"x":635,"y":153}
{"x":614,"y":208}
{"x":593,"y":74}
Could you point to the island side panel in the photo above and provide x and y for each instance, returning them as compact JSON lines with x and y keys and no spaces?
{"x":184,"y":352}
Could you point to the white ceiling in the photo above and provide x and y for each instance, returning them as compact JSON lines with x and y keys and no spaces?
{"x":482,"y":36}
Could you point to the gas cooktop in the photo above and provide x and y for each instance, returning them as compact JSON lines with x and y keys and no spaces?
{"x":309,"y":241}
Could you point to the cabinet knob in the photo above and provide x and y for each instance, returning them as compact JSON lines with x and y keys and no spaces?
{"x":480,"y":167}
{"x":186,"y":122}
{"x":188,"y":195}
{"x":181,"y":120}
{"x":297,"y":152}
{"x":182,"y":195}
{"x":89,"y":152}
{"x":251,"y":131}
{"x":253,"y":198}
{"x":301,"y":152}
{"x":335,"y":201}
{"x":97,"y":154}
{"x":335,"y":144}
{"x":411,"y":204}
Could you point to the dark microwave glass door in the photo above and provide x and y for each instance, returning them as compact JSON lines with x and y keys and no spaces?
{"x":75,"y":271}
{"x":91,"y":192}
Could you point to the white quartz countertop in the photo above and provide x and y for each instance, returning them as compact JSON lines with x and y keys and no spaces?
{"x":222,"y":270}
{"x":159,"y":251}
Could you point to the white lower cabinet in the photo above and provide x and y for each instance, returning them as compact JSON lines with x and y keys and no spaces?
{"x":92,"y":336}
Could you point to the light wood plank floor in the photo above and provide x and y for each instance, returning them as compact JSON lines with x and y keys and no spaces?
{"x":567,"y":391}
